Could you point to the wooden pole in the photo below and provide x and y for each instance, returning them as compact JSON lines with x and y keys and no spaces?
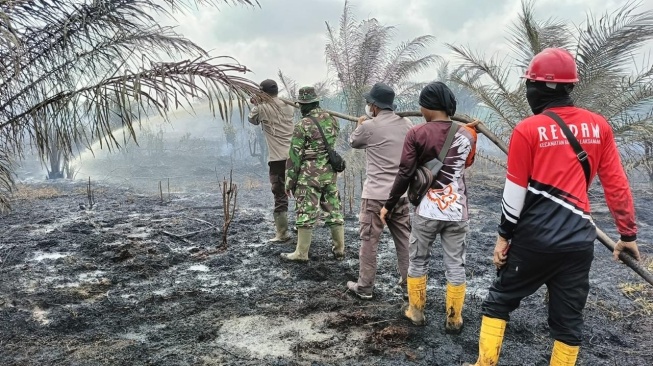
{"x":458,"y":118}
{"x":625,"y":257}
{"x":480,"y":127}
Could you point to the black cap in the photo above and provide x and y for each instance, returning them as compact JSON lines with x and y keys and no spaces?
{"x":436,"y":96}
{"x":381,"y":96}
{"x":270,"y":86}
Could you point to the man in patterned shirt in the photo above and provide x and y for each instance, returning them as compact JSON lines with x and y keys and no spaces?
{"x":443,"y":210}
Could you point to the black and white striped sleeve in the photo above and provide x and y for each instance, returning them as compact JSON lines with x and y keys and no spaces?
{"x":511,"y":207}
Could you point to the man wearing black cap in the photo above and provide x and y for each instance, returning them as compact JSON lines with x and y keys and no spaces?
{"x":443,"y":209}
{"x":276,"y":118}
{"x":382,"y":137}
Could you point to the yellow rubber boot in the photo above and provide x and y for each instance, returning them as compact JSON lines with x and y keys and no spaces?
{"x":563,"y":354}
{"x":304,"y":236}
{"x":454,"y":307}
{"x":489,"y":342}
{"x":416,"y":300}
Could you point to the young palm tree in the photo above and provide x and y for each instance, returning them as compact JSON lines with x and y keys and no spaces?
{"x":360,"y":55}
{"x":604,"y":47}
{"x":68,"y":68}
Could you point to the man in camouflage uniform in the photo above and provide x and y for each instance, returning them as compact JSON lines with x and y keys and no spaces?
{"x":311,"y":179}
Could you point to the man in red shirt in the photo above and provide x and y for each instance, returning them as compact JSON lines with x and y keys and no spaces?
{"x":545,"y":221}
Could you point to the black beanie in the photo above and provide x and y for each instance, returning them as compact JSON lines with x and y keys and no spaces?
{"x":270,"y":86}
{"x":438,"y":97}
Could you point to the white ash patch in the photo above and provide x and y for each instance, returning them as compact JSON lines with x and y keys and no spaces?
{"x":262,"y":336}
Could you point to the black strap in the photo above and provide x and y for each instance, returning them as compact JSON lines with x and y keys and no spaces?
{"x":445,"y":148}
{"x":326,"y":143}
{"x":578,"y":149}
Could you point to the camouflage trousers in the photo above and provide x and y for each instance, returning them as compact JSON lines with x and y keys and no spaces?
{"x":310,"y":198}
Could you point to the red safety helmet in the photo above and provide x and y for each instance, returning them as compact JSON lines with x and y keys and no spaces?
{"x":553,"y":65}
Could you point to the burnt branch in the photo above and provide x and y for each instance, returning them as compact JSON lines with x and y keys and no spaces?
{"x":229,"y":203}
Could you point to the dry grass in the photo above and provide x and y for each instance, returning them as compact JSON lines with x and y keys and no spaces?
{"x":648,"y":263}
{"x":82,"y":190}
{"x":252,"y":183}
{"x":611,"y":310}
{"x":640,"y":293}
{"x":26,"y":192}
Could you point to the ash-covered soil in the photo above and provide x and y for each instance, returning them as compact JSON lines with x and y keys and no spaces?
{"x":138,"y":281}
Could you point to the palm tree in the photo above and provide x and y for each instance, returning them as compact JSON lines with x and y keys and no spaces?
{"x":408,"y":92}
{"x":605,"y":48}
{"x":360,"y":55}
{"x":68,"y":68}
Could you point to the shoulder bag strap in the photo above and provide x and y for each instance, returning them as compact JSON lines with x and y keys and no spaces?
{"x":447,"y":143}
{"x":445,"y":148}
{"x":326,"y":143}
{"x":578,"y":149}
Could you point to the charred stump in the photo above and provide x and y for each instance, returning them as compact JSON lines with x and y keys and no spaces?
{"x":229,"y":202}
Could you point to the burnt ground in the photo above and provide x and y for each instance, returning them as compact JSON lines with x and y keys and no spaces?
{"x":138,"y":281}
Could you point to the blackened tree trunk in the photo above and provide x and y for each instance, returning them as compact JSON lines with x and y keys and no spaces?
{"x":55,"y":163}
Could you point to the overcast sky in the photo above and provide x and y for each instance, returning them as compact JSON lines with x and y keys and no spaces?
{"x":291,"y":34}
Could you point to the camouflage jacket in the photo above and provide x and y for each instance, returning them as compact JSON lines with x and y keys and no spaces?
{"x":309,"y":160}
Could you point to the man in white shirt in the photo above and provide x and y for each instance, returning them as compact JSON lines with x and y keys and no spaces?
{"x":276,"y":119}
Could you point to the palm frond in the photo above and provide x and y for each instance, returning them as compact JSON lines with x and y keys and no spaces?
{"x":407,"y":60}
{"x":368,"y":61}
{"x":289,"y":85}
{"x":489,"y":81}
{"x":443,"y":72}
{"x":529,"y":36}
{"x":360,"y":56}
{"x":631,"y":94}
{"x":606,"y":45}
{"x":71,"y":72}
{"x":407,"y":95}
{"x":341,"y":48}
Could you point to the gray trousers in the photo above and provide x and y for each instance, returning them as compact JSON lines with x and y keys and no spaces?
{"x":452,"y":235}
{"x":371,"y":227}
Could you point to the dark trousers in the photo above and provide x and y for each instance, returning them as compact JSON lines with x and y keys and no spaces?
{"x":278,"y":182}
{"x":566,"y":276}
